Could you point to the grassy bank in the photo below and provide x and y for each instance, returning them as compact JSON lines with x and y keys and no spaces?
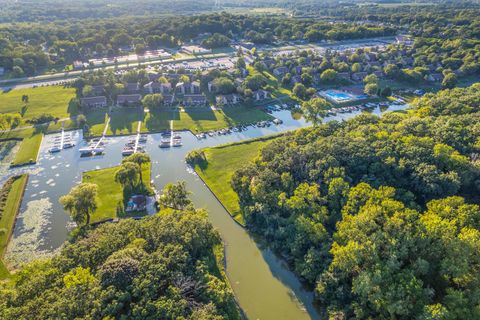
{"x":10,"y":201}
{"x":54,"y":100}
{"x":110,"y":193}
{"x":221,"y":163}
{"x":28,"y":151}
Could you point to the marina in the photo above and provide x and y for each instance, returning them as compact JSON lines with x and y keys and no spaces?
{"x":43,"y":226}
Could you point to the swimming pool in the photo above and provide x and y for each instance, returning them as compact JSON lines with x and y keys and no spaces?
{"x":340,"y":96}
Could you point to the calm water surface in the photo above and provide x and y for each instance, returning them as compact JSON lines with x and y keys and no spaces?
{"x":263,"y":285}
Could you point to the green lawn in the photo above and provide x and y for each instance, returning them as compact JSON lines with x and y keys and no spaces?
{"x":28,"y":151}
{"x":221,"y":163}
{"x":110,"y":193}
{"x":96,"y":121}
{"x":54,"y":100}
{"x":203,"y":119}
{"x":7,"y":218}
{"x":125,"y":121}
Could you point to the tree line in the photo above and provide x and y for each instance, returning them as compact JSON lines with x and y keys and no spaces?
{"x":380,"y":214}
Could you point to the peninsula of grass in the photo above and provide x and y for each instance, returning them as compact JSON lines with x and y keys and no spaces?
{"x":10,"y":200}
{"x":110,"y":193}
{"x":220,"y":165}
{"x":54,"y":100}
{"x":28,"y":151}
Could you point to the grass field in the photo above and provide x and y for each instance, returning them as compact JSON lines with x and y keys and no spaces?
{"x":203,"y":119}
{"x":221,"y":163}
{"x":28,"y":152}
{"x":7,"y":218}
{"x":54,"y":100}
{"x":110,"y":193}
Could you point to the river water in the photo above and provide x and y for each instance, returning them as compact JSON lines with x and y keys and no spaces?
{"x":263,"y":284}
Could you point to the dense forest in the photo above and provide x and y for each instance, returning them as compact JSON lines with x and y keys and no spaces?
{"x":381,"y":214}
{"x":169,"y":266}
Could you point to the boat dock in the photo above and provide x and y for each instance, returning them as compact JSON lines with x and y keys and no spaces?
{"x":137,"y":138}
{"x":96,"y":148}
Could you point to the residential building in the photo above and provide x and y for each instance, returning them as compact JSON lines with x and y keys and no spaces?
{"x":228,"y":99}
{"x":435,"y":77}
{"x":280,"y":71}
{"x":359,"y":76}
{"x":93,"y":102}
{"x":132,"y":88}
{"x":128,"y":99}
{"x":194,"y":100}
{"x":260,"y":95}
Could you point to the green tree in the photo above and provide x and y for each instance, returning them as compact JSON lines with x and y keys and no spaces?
{"x":128,"y":174}
{"x":449,"y":81}
{"x":140,"y":159}
{"x":315,"y":109}
{"x":328,"y":76}
{"x":175,"y":196}
{"x":81,"y":202}
{"x":299,"y":90}
{"x":152,"y":101}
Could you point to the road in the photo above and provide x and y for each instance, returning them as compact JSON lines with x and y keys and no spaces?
{"x":57,"y":78}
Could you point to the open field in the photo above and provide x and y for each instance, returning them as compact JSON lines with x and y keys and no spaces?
{"x":221,"y":163}
{"x":7,"y":217}
{"x":54,"y":100}
{"x":110,"y":193}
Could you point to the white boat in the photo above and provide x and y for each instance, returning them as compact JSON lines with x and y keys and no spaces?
{"x":90,"y":150}
{"x":54,"y":149}
{"x":164,"y":143}
{"x":68,"y":145}
{"x":127,"y":151}
{"x":176,"y":136}
{"x":176,"y":143}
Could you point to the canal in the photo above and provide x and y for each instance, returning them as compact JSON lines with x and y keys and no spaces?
{"x":263,"y":284}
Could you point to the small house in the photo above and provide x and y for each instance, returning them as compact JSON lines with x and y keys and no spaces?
{"x":260,"y":95}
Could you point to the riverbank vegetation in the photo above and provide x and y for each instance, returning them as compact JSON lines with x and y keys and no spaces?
{"x":327,"y":198}
{"x":11,"y":196}
{"x":131,"y":269}
{"x":28,"y":151}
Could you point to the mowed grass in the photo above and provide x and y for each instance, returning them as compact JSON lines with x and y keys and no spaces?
{"x":54,"y":100}
{"x":203,"y":119}
{"x":28,"y":151}
{"x":110,"y":193}
{"x":7,"y":218}
{"x":221,"y":164}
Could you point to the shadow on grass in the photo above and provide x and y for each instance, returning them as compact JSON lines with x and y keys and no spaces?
{"x":159,"y":120}
{"x":201,"y":113}
{"x":125,"y":120}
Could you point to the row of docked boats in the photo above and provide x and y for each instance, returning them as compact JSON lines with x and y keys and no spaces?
{"x":240,"y":128}
{"x":58,"y":144}
{"x":96,"y":147}
{"x":130,"y":149}
{"x":170,"y":139}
